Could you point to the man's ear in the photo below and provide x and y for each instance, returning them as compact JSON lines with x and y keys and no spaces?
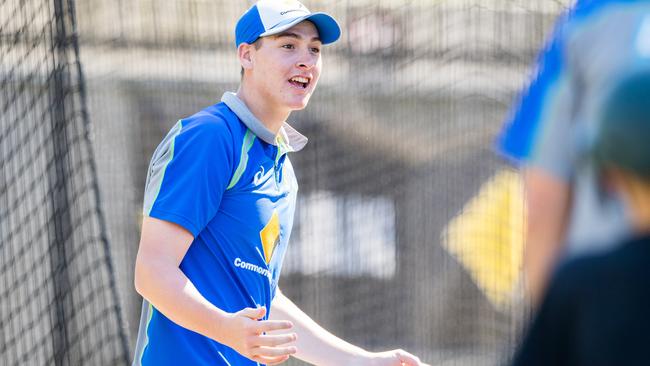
{"x":245,"y":53}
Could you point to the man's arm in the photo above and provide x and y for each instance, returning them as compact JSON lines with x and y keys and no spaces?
{"x":547,"y":207}
{"x":320,"y":347}
{"x":159,"y":279}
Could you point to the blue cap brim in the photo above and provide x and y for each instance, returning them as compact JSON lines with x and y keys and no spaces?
{"x":328,"y":29}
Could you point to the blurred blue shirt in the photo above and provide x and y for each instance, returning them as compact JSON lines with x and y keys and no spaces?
{"x":555,"y":119}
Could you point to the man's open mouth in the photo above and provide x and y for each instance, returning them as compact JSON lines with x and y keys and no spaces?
{"x":300,"y":82}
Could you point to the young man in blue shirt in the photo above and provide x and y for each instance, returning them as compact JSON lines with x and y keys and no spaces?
{"x":219,"y":204}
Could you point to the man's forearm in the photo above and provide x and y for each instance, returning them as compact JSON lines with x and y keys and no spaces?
{"x":159,"y":279}
{"x":315,"y":344}
{"x":547,"y":203}
{"x":171,"y":292}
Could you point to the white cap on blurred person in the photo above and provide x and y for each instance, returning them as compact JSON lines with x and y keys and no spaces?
{"x":269,"y":17}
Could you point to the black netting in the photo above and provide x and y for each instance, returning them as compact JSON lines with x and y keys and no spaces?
{"x":58,"y":300}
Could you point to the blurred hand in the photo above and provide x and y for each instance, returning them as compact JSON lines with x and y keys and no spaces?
{"x":396,"y":357}
{"x":244,"y":332}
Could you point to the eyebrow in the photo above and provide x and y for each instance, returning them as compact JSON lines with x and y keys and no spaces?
{"x":294,"y":35}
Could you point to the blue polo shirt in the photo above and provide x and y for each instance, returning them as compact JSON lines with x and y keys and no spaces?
{"x":226,"y":179}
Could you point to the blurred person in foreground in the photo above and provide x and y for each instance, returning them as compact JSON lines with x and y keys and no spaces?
{"x":596,"y":309}
{"x":568,"y":212}
{"x":219,"y":205}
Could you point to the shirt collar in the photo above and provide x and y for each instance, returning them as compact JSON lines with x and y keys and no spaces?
{"x":287,"y":138}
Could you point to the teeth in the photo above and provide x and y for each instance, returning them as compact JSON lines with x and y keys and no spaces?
{"x":300,"y":79}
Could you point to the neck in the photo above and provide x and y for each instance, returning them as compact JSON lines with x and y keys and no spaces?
{"x":262,"y":108}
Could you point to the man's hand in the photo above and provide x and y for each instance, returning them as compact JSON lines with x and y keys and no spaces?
{"x":245,"y":333}
{"x":396,"y":357}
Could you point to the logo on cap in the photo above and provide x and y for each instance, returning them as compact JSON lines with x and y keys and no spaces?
{"x":268,"y":17}
{"x":289,"y":11}
{"x":292,"y":3}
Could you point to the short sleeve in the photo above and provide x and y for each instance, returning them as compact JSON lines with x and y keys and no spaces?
{"x":517,"y":137}
{"x":554,"y":147}
{"x":541,"y":129}
{"x":189,"y":173}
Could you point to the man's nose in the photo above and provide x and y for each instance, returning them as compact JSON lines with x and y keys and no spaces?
{"x":307,"y":61}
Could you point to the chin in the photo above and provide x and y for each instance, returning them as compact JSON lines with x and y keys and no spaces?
{"x":299,"y":104}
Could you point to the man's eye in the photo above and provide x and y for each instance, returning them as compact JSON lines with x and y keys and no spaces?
{"x":315,"y":50}
{"x":288,"y":46}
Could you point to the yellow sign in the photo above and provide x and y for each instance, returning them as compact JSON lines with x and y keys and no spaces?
{"x":487,"y":238}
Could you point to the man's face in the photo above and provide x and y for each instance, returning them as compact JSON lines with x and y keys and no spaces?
{"x":286,"y":67}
